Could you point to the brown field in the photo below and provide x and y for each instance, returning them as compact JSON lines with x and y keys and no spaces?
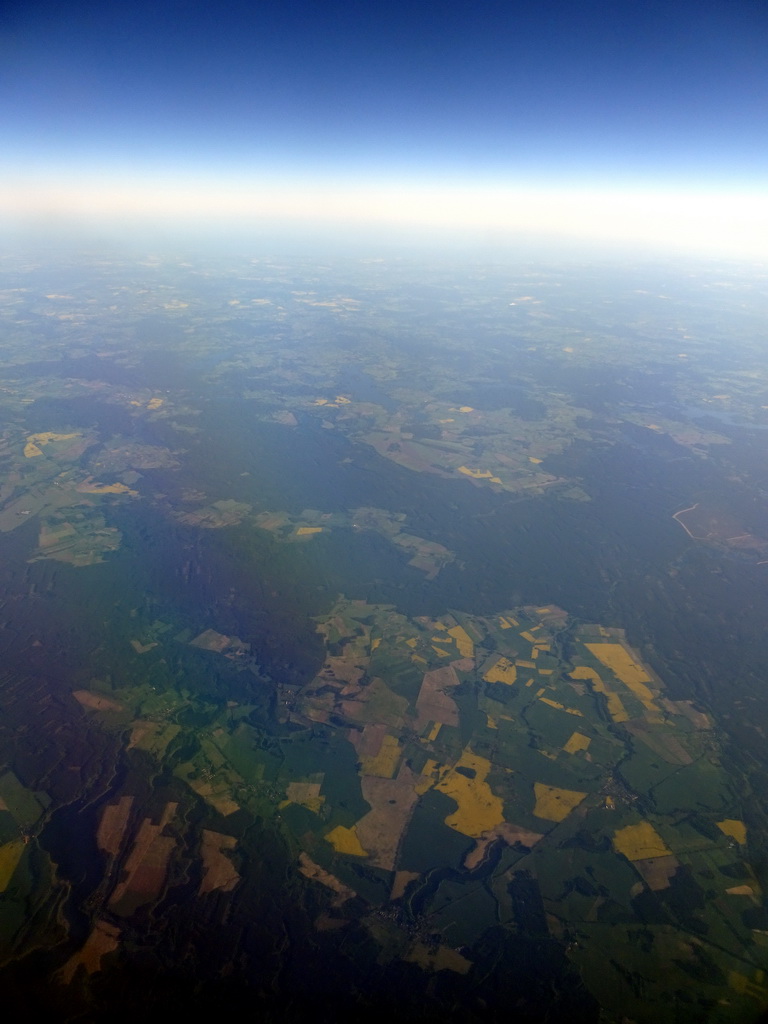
{"x":217,"y":795}
{"x":220,"y":872}
{"x":384,"y":763}
{"x":442,"y":959}
{"x":146,"y":866}
{"x":210,"y":640}
{"x":657,"y":871}
{"x":685,"y":707}
{"x":401,"y":882}
{"x":103,"y":939}
{"x":141,"y":648}
{"x":376,"y":703}
{"x":367,"y":742}
{"x":95,"y":702}
{"x":113,"y":824}
{"x":392,"y":802}
{"x":348,"y":669}
{"x":428,"y":777}
{"x":511,"y":834}
{"x":305,"y":793}
{"x":433,"y":703}
{"x":309,"y":869}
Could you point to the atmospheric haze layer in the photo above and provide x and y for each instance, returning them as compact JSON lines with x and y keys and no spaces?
{"x":597,"y":122}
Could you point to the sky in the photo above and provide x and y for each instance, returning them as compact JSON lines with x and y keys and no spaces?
{"x":637,"y":121}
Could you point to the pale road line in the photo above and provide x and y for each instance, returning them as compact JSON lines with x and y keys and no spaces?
{"x":681,"y":512}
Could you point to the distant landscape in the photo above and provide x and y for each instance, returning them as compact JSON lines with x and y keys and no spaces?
{"x":400,"y":625}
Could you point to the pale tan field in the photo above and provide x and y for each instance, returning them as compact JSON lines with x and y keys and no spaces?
{"x":219,"y":871}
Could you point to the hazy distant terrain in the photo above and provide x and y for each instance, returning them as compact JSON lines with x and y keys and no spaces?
{"x":396,"y":626}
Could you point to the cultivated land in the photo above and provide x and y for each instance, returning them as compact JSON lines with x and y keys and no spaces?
{"x":219,"y":775}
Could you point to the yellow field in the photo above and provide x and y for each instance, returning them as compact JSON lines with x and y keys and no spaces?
{"x":555,"y":804}
{"x":385,"y":762}
{"x":10,"y":855}
{"x":433,"y":732}
{"x":618,"y":659}
{"x":479,"y":474}
{"x":534,"y":460}
{"x":525,"y":664}
{"x":560,"y":707}
{"x":466,"y":408}
{"x":479,"y":809}
{"x":753,"y":987}
{"x":32,"y":447}
{"x":344,"y":840}
{"x":502,"y":672}
{"x":154,"y":403}
{"x":616,"y":709}
{"x":527,"y":635}
{"x":463,"y":641}
{"x":735,"y":829}
{"x":439,"y":650}
{"x":89,"y":487}
{"x":577,"y":742}
{"x":304,"y":531}
{"x":640,"y":842}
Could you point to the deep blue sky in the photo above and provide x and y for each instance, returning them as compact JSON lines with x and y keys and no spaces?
{"x":594,"y":91}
